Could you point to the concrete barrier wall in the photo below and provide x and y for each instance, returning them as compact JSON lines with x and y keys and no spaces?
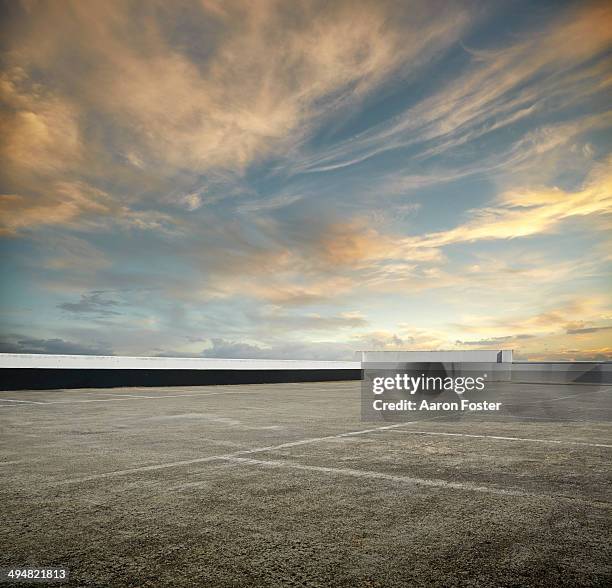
{"x":31,"y":360}
{"x":451,"y":356}
{"x":44,"y":372}
{"x":562,"y":372}
{"x":49,"y":372}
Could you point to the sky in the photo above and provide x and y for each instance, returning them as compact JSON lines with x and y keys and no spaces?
{"x":306,"y":179}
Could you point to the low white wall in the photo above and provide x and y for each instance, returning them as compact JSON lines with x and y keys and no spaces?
{"x":451,"y":356}
{"x":26,"y":360}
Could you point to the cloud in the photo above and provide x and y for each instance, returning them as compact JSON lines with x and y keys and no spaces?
{"x":406,"y":337}
{"x":61,"y":252}
{"x":92,"y":303}
{"x":557,"y":318}
{"x":24,"y":344}
{"x":272,"y":203}
{"x":194,"y":121}
{"x":232,"y":106}
{"x":528,"y":211}
{"x":321,"y":261}
{"x":40,"y":129}
{"x":550,"y":69}
{"x":315,"y":350}
{"x":74,"y":204}
{"x":191,"y":201}
{"x":333,"y":258}
{"x":124,"y":113}
{"x":378,"y":257}
{"x":274,"y":321}
{"x":596,"y":354}
{"x":494,"y":341}
{"x":536,"y":156}
{"x":587,"y":330}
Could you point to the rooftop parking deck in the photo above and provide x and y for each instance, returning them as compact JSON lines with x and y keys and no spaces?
{"x":282,"y":484}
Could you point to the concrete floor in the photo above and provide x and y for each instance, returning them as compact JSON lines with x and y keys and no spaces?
{"x":283,"y":485}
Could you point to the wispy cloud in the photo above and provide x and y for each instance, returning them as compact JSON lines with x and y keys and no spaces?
{"x":334,"y":259}
{"x":587,"y":330}
{"x":501,"y":87}
{"x":530,"y":211}
{"x":75,"y":204}
{"x":142,"y":104}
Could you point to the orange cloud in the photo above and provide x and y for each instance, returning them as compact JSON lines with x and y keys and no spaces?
{"x":118,"y":100}
{"x":525,"y":212}
{"x":40,"y":130}
{"x":73,"y":204}
{"x":343,"y":256}
{"x":247,"y":95}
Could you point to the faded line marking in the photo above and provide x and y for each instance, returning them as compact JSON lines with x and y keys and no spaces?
{"x":544,"y":400}
{"x":21,"y":401}
{"x":118,"y":399}
{"x":555,"y":441}
{"x":89,"y":401}
{"x":257,"y":388}
{"x":579,"y":395}
{"x":174,"y":464}
{"x":129,"y":397}
{"x":432,"y":483}
{"x":123,"y":395}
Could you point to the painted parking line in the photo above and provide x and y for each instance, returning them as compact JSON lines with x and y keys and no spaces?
{"x":21,"y":401}
{"x":122,"y":397}
{"x":412,"y":481}
{"x":119,"y":398}
{"x":186,"y":462}
{"x":503,"y":438}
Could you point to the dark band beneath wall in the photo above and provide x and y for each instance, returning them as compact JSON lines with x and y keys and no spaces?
{"x":52,"y":379}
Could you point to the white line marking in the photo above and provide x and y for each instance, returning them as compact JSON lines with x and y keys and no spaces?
{"x":222,"y":388}
{"x":522,"y":417}
{"x":544,"y":400}
{"x":436,"y":483}
{"x":130,"y":397}
{"x":577,"y":395}
{"x":191,"y":485}
{"x":112,"y":399}
{"x":432,"y":483}
{"x":556,"y":441}
{"x":21,"y":401}
{"x":123,"y":395}
{"x":116,"y":399}
{"x":185,"y":462}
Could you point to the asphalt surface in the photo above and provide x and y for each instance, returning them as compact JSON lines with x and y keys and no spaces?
{"x":283,"y":485}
